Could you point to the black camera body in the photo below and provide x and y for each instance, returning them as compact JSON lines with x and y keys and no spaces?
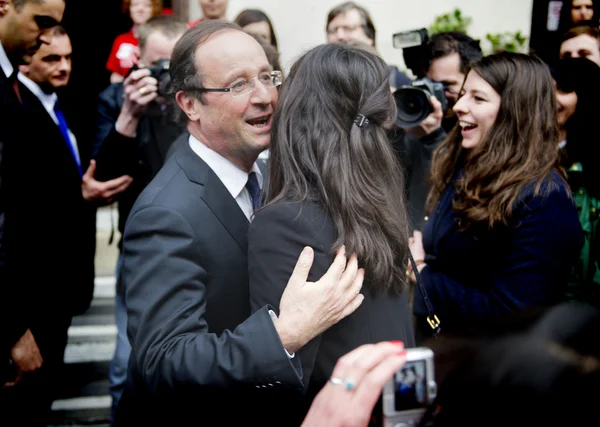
{"x":160,"y":71}
{"x":412,"y":102}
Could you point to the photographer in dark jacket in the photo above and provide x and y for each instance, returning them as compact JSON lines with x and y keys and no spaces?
{"x":135,"y":132}
{"x":447,"y":57}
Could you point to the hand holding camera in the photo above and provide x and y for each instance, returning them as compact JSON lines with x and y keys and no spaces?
{"x":432,"y":122}
{"x":423,"y":101}
{"x":140,"y":89}
{"x":349,"y":397}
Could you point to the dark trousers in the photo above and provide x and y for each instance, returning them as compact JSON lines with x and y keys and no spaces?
{"x":29,"y":402}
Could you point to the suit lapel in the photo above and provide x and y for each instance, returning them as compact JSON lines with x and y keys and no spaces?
{"x":215,"y":195}
{"x":34,"y":108}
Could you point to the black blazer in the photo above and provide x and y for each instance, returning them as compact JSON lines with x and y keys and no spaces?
{"x":13,"y":304}
{"x":197,"y":353}
{"x":277,"y":235}
{"x":61,"y":243}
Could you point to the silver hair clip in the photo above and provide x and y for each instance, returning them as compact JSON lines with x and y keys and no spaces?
{"x":361,"y":121}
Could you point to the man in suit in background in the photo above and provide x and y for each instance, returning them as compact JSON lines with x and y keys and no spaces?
{"x":52,"y":152}
{"x":197,"y":351}
{"x":24,"y":26}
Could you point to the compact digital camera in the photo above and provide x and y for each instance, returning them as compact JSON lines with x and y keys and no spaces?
{"x":412,"y":101}
{"x":410,"y":391}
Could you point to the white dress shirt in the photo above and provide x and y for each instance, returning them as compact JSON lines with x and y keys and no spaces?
{"x":5,"y":63}
{"x":233,"y":178}
{"x":48,"y":101}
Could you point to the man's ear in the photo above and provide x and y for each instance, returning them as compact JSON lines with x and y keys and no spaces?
{"x":5,"y":5}
{"x":24,"y":69}
{"x":189,"y":105}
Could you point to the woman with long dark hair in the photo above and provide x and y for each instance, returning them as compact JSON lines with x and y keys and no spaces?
{"x":503,"y":231}
{"x":335,"y":180}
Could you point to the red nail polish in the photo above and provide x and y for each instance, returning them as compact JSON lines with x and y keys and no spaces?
{"x":397,"y":342}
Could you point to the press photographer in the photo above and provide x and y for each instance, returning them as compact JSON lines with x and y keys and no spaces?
{"x":136,"y":129}
{"x":425,"y":107}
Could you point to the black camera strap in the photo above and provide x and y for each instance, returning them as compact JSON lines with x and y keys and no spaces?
{"x":432,"y":319}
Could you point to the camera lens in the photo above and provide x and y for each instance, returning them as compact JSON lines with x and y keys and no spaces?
{"x":164,"y":83}
{"x":413,"y":106}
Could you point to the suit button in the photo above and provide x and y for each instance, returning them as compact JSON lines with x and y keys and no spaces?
{"x":277,"y":382}
{"x":257,"y":386}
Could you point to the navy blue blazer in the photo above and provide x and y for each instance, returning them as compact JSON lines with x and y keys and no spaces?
{"x":480,"y":272}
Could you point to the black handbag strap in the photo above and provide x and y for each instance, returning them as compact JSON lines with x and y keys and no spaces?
{"x":432,"y":319}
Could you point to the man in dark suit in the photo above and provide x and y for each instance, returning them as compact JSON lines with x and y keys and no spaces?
{"x":24,"y":27}
{"x":196,"y":349}
{"x":55,"y":154}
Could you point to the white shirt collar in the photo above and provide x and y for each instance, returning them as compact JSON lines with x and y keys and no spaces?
{"x":232,"y":177}
{"x":47,"y":100}
{"x":5,"y":63}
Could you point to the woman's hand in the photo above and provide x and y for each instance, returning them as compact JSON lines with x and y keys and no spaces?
{"x":348,"y":399}
{"x":415,"y":244}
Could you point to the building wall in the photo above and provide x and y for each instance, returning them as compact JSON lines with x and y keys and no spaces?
{"x":300,"y":25}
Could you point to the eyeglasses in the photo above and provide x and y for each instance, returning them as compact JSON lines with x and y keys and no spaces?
{"x":345,"y":28}
{"x":241,"y":87}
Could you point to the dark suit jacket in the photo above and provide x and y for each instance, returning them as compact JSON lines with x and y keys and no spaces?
{"x":277,"y":235}
{"x":475,"y":274}
{"x":13,"y":305}
{"x":197,"y":353}
{"x":61,"y":243}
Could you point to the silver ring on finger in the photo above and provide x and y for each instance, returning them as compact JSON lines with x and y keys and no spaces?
{"x":349,"y":383}
{"x":336,"y":381}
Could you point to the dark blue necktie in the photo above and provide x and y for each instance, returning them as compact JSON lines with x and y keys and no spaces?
{"x":64,"y":129}
{"x":254,"y":190}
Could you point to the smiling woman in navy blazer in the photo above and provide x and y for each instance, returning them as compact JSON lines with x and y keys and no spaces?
{"x":334,"y":180}
{"x":503,"y":232}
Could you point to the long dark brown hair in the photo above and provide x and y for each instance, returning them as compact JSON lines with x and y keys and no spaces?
{"x":519,"y":149}
{"x":318,"y":153}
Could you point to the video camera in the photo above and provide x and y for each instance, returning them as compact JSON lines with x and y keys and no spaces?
{"x":412,"y":101}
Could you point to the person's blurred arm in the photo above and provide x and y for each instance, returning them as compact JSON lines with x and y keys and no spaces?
{"x":116,"y":145}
